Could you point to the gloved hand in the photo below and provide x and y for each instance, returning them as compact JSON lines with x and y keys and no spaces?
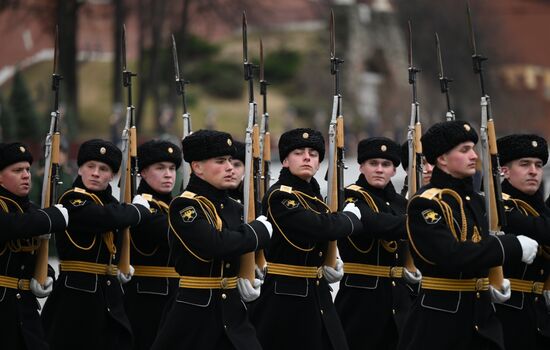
{"x":39,"y":290}
{"x":125,"y":277}
{"x":64,"y":212}
{"x":259,"y":273}
{"x":352,"y":208}
{"x":138,"y":199}
{"x":546,"y":294}
{"x":247,"y":291}
{"x":267,"y":224}
{"x":529,"y":247}
{"x":334,"y":274}
{"x":412,"y":277}
{"x":500,"y":296}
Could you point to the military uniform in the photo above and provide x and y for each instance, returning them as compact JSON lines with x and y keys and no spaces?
{"x":207,"y":238}
{"x":525,"y":317}
{"x":21,"y":222}
{"x":85,"y":309}
{"x":373,"y":299}
{"x":295,"y":309}
{"x":155,"y":280}
{"x":451,"y":245}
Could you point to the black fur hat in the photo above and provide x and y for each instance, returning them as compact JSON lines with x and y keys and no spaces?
{"x":206,"y":144}
{"x":300,"y":138}
{"x":379,"y":147}
{"x":102,"y":151}
{"x":11,"y":153}
{"x":240,"y":152}
{"x":442,"y":137}
{"x":155,"y":151}
{"x":516,"y":146}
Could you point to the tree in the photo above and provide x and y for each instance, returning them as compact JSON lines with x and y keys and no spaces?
{"x":24,"y":113}
{"x":8,"y":127}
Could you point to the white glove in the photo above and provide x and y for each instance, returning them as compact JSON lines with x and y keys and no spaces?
{"x":259,"y":273}
{"x":334,"y":274}
{"x":267,"y":224}
{"x":502,"y":295}
{"x":412,"y":277}
{"x":529,"y":247}
{"x":64,"y":212}
{"x":247,"y":291}
{"x":138,"y":199}
{"x":352,"y":208}
{"x":42,"y":291}
{"x":125,"y":277}
{"x":546,"y":294}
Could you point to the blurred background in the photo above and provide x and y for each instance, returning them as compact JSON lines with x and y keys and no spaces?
{"x":371,"y":36}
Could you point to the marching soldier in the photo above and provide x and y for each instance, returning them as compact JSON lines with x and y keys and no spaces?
{"x":155,"y":280}
{"x":295,"y":309}
{"x":236,"y":190}
{"x":207,"y":238}
{"x":449,"y":240}
{"x":85,"y":310}
{"x":525,"y":316}
{"x":374,"y":300}
{"x":22,"y":223}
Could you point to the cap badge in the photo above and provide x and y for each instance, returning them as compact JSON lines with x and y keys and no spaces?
{"x":467,"y":127}
{"x":534,"y":143}
{"x":22,"y":149}
{"x":170,"y":150}
{"x":229,"y":142}
{"x":305,"y":135}
{"x":102,"y":150}
{"x":383,"y":148}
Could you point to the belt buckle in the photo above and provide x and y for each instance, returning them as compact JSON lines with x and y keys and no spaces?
{"x":479,"y":284}
{"x":320,"y":272}
{"x":20,"y":284}
{"x":223,"y":283}
{"x":394,"y":271}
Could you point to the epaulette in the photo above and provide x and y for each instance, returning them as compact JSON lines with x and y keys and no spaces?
{"x":286,"y":189}
{"x":188,"y":194}
{"x":148,"y":197}
{"x":354,"y":188}
{"x":430,"y":193}
{"x":80,"y":190}
{"x":506,"y":196}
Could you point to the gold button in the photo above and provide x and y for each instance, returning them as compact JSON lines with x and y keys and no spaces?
{"x":225,"y":326}
{"x":393,"y":283}
{"x":536,"y":299}
{"x":108,"y":309}
{"x":476,"y":327}
{"x":393,"y":311}
{"x":224,"y":296}
{"x":467,"y":198}
{"x":18,"y":296}
{"x":22,"y":267}
{"x":221,"y":206}
{"x":542,"y":271}
{"x":396,"y":256}
{"x":108,"y":282}
{"x":228,"y":265}
{"x":317,"y":282}
{"x":322,"y":311}
{"x":320,"y":253}
{"x":478,"y":295}
{"x":387,"y":203}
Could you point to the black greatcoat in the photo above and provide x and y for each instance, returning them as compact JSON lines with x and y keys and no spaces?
{"x":525,"y":318}
{"x":373,"y":309}
{"x":20,"y":220}
{"x":86,"y":310}
{"x":208,"y":319}
{"x":296,"y":312}
{"x":146,"y":297}
{"x":449,"y":319}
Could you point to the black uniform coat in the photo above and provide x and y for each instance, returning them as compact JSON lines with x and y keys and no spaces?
{"x":373,"y":309}
{"x":85,"y":310}
{"x":447,"y":319}
{"x":20,"y":220}
{"x":146,"y":297}
{"x":293,"y":312}
{"x":209,"y":318}
{"x":525,"y":317}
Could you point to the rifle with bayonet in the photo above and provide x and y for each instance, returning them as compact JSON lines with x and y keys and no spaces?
{"x":335,"y":175}
{"x":489,"y":154}
{"x":444,"y":81}
{"x":180,"y":89}
{"x":50,"y":182}
{"x":252,"y":159}
{"x":129,"y":167}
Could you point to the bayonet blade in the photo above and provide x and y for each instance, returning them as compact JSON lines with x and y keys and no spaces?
{"x":439,"y":59}
{"x":56,"y":50}
{"x":471,"y":30}
{"x":123,"y":47}
{"x":410,"y":46}
{"x":175,"y":57}
{"x":245,"y":39}
{"x":332,"y":36}
{"x":261,"y":60}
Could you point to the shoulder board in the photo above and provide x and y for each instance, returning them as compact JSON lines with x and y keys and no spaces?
{"x":354,"y":188}
{"x":430,"y":193}
{"x":506,"y":196}
{"x":80,"y":190}
{"x":148,"y":197}
{"x":188,"y":194}
{"x":284,"y":188}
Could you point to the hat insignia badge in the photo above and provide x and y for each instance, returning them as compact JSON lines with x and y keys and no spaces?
{"x":383,"y":148}
{"x":534,"y":143}
{"x":102,"y":150}
{"x":22,"y":149}
{"x":305,"y":135}
{"x":229,"y":142}
{"x":467,"y":127}
{"x":170,"y":150}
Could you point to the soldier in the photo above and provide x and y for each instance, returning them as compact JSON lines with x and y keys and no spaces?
{"x":85,"y":310}
{"x":155,"y":280}
{"x":427,"y":168}
{"x":207,"y":238}
{"x":236,"y":190}
{"x":22,"y":223}
{"x":525,"y":316}
{"x":295,"y":309}
{"x":449,"y":239}
{"x":373,"y":300}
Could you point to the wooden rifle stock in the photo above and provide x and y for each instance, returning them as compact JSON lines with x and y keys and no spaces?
{"x":124,"y":261}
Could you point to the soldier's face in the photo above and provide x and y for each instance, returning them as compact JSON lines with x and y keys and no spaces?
{"x":16,"y":178}
{"x":302,"y":162}
{"x":525,"y":174}
{"x":218,"y":171}
{"x":238,"y":173}
{"x":377,"y":171}
{"x":95,"y":175}
{"x":459,"y":162}
{"x":161,"y":176}
{"x":427,"y":169}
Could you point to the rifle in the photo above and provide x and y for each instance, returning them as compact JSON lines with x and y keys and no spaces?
{"x":51,"y":167}
{"x":414,"y":176}
{"x":129,"y":158}
{"x":252,"y":159}
{"x":180,"y":89}
{"x":444,"y":82}
{"x":489,"y":154}
{"x":335,"y":175}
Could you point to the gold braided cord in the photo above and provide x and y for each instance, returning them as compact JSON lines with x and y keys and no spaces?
{"x":22,"y":244}
{"x":142,"y":252}
{"x":412,"y":242}
{"x":210,"y":210}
